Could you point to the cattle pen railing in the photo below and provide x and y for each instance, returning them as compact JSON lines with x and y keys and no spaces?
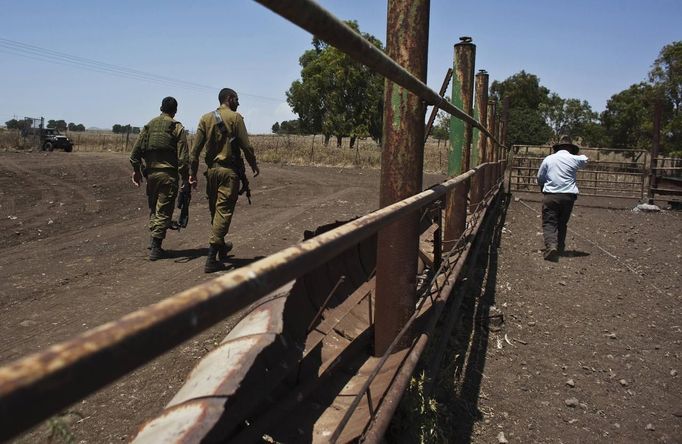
{"x":37,"y":386}
{"x":608,"y":172}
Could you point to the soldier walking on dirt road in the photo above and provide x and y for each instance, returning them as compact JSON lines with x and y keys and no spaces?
{"x":223,"y":133}
{"x":557,"y":179}
{"x":162,"y":145}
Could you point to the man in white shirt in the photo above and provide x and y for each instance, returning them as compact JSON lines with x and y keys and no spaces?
{"x":557,"y":178}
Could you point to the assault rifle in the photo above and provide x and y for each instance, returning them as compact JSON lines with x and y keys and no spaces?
{"x":184,"y":198}
{"x":236,"y":160}
{"x":240,"y":168}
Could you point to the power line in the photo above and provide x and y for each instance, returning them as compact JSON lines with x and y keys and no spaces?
{"x":47,"y":55}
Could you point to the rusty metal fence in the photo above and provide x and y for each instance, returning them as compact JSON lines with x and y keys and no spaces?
{"x":609,"y":173}
{"x":39,"y":385}
{"x":665,"y":180}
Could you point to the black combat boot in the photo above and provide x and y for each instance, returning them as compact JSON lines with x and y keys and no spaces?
{"x":156,"y":252}
{"x":212,"y":264}
{"x":223,"y":250}
{"x":551,"y":253}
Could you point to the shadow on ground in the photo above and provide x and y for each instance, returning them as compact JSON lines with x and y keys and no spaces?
{"x":459,"y":370}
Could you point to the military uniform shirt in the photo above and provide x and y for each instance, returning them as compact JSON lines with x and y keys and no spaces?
{"x":164,"y":159}
{"x":218,"y":148}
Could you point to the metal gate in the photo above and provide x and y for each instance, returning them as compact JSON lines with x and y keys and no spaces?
{"x":609,"y":173}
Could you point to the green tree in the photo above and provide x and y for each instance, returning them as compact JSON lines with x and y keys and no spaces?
{"x":58,"y":124}
{"x":17,"y":124}
{"x":117,"y":128}
{"x":527,"y":125}
{"x":275,"y":128}
{"x":666,"y":73}
{"x":666,"y":76}
{"x":627,"y":118}
{"x":522,"y":89}
{"x":572,"y":117}
{"x":337,"y":95}
{"x":290,"y":127}
{"x":80,"y":127}
{"x":441,"y":129}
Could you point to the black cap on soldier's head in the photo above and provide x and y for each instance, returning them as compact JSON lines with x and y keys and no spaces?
{"x":169,"y":105}
{"x":565,"y":143}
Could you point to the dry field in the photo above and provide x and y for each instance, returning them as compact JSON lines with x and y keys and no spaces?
{"x":270,"y":148}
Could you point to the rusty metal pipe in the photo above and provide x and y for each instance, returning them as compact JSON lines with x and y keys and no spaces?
{"x":39,"y":385}
{"x":392,"y":397}
{"x":310,"y":16}
{"x":402,"y":161}
{"x":435,"y":109}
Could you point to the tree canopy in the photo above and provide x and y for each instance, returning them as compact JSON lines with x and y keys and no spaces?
{"x":76,"y":127}
{"x":122,"y":129}
{"x":337,"y":95}
{"x":59,"y":124}
{"x":537,"y":115}
{"x":526,"y":122}
{"x":18,"y":124}
{"x":628,"y":117}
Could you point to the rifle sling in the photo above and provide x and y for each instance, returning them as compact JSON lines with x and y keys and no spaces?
{"x":220,"y":123}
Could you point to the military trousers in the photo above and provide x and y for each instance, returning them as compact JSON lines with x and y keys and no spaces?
{"x":556,"y":210}
{"x":222,"y":188}
{"x":162,"y":189}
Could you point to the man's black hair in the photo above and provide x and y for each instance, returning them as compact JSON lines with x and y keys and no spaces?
{"x":224,"y":94}
{"x":169,"y":105}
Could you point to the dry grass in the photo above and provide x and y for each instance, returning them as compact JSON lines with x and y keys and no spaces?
{"x":280,"y":149}
{"x":310,"y":150}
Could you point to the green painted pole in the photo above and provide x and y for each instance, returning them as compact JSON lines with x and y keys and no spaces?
{"x":462,"y":97}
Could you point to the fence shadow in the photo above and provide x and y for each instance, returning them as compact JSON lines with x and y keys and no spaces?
{"x":473,"y":335}
{"x":454,"y":382}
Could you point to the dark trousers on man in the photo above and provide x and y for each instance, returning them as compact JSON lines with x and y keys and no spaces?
{"x":556,"y":210}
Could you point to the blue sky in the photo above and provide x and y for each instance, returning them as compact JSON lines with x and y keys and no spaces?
{"x":580,"y":49}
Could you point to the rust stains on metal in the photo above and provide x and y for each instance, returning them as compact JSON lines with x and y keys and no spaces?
{"x":492,"y":143}
{"x":465,"y":56}
{"x":435,"y":109}
{"x":402,"y":160}
{"x":482,"y":79}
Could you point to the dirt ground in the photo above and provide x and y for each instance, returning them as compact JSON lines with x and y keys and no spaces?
{"x":73,"y":241}
{"x":73,"y":237}
{"x":589,"y":348}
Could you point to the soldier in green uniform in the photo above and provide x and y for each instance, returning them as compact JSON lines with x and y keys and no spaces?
{"x":223,"y":134}
{"x":162,"y":145}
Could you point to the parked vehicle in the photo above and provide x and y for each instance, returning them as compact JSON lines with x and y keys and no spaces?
{"x":51,"y":138}
{"x":48,"y":138}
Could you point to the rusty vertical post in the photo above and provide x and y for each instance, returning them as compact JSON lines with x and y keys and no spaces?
{"x":460,"y":141}
{"x":490,"y":124}
{"x":655,"y":148}
{"x":402,"y":160}
{"x":504,"y":127}
{"x":482,"y":107}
